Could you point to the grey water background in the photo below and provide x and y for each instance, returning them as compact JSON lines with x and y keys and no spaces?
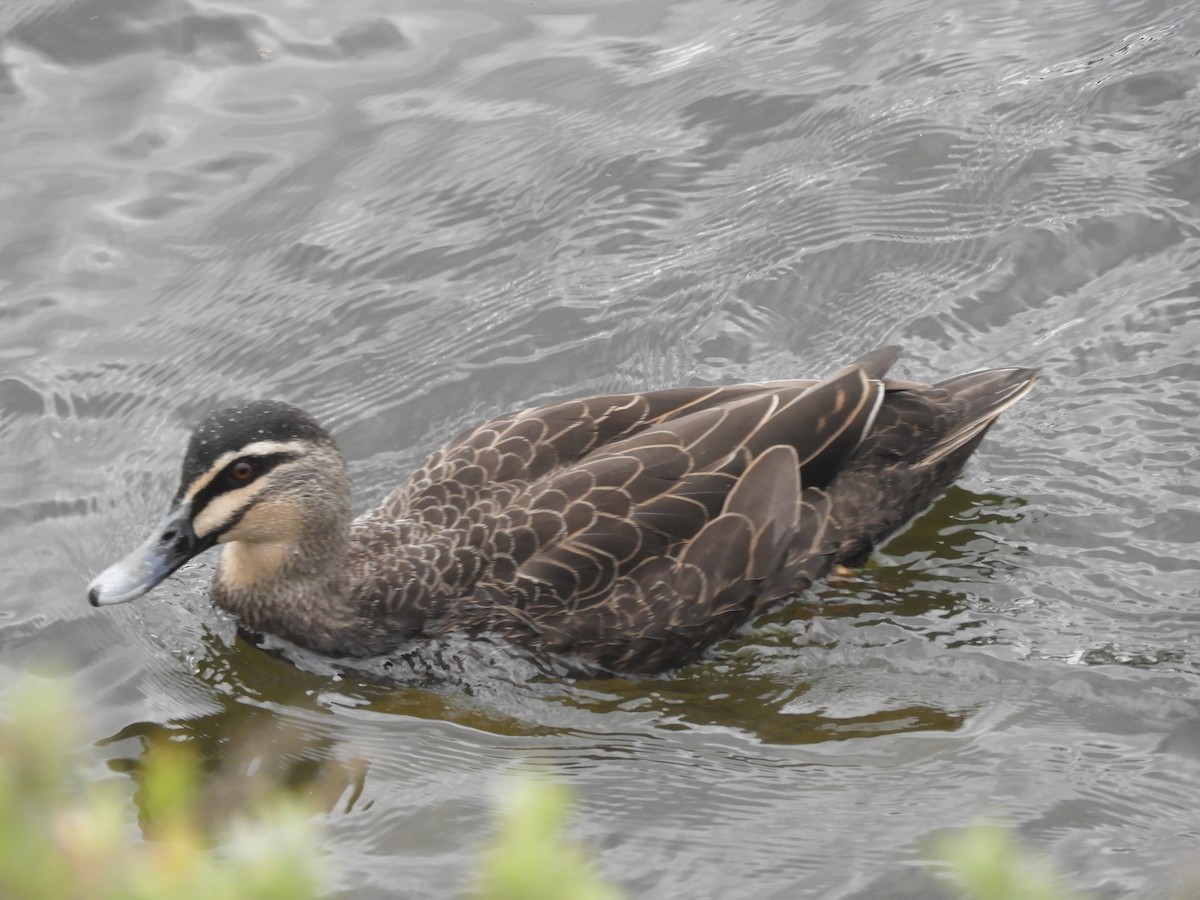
{"x":410,"y":216}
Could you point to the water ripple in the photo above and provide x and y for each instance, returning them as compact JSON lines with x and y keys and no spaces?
{"x":410,"y":219}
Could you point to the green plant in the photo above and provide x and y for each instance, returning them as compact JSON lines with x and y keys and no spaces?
{"x":986,"y":863}
{"x":531,"y":857}
{"x":63,"y":837}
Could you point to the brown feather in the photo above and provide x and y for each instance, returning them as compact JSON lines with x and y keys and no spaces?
{"x":626,"y":531}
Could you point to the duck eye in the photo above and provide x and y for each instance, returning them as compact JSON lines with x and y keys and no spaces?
{"x":241,"y":471}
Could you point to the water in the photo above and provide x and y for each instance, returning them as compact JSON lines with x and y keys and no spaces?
{"x":409,"y":217}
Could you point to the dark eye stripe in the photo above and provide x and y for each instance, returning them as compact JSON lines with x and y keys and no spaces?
{"x":223,"y":483}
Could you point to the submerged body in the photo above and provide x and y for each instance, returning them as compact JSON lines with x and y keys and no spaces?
{"x":626,"y":532}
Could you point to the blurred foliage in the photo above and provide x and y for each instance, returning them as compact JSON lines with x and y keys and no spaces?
{"x":66,"y":837}
{"x":531,"y":857}
{"x":66,"y":834}
{"x":986,"y":863}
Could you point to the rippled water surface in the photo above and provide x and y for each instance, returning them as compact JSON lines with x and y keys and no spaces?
{"x":410,"y":216}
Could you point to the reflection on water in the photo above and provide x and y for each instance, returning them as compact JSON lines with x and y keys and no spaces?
{"x":242,"y":759}
{"x":407,"y":218}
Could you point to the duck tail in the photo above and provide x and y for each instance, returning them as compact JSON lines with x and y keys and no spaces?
{"x":877,"y":362}
{"x":981,"y":397}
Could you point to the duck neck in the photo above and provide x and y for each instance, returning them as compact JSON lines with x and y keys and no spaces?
{"x":295,"y":586}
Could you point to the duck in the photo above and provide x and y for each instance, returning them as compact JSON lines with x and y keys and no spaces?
{"x":626,"y":532}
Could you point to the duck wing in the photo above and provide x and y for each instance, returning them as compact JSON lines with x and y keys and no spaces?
{"x":486,"y":465}
{"x":487,"y":501}
{"x":518,"y":449}
{"x":653,"y":541}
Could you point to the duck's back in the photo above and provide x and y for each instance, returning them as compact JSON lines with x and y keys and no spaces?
{"x":630,"y":531}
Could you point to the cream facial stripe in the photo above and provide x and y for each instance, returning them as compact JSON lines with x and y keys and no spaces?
{"x":224,"y":508}
{"x":258,"y":448}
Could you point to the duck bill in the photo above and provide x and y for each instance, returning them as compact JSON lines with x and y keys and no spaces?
{"x":171,"y":544}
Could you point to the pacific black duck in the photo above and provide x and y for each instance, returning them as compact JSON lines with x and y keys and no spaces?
{"x":626,"y":532}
